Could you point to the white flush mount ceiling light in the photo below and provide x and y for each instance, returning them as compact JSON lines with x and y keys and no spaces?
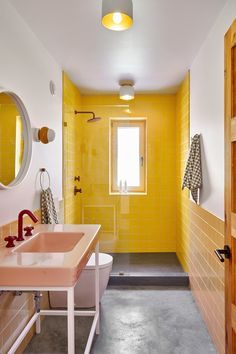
{"x":127,"y":92}
{"x":117,"y":15}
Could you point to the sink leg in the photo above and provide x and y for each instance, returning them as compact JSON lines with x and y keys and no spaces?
{"x":70,"y":321}
{"x":97,"y":286}
{"x":38,"y":325}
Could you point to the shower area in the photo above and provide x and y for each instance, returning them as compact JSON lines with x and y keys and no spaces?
{"x":138,"y":229}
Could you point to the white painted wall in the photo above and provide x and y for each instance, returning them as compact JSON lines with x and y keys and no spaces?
{"x":26,"y":68}
{"x":207,"y":110}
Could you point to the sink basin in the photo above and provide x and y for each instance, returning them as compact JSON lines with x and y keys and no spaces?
{"x":51,"y":242}
{"x":54,"y":257}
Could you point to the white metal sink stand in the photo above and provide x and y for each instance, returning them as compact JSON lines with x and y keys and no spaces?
{"x":70,"y":313}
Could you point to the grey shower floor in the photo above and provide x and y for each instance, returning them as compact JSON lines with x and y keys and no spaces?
{"x":146,"y":264}
{"x":134,"y":320}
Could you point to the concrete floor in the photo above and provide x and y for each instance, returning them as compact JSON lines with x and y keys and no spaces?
{"x":134,"y":320}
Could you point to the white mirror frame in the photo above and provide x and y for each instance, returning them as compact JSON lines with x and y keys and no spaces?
{"x":27,"y":134}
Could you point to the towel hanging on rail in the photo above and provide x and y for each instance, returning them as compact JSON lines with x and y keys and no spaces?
{"x":48,"y":210}
{"x":193,"y":172}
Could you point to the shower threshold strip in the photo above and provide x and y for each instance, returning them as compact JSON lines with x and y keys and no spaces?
{"x":70,"y":313}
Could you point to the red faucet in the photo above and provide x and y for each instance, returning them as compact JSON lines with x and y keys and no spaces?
{"x":20,"y":222}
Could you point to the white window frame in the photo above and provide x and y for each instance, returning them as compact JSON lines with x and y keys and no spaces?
{"x":114,"y":124}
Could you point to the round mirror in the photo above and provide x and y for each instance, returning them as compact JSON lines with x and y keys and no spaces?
{"x":15,"y":140}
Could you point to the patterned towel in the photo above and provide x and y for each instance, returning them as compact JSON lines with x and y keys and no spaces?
{"x":48,"y":210}
{"x":193,"y":171}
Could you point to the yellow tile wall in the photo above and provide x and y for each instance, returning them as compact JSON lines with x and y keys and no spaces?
{"x":198,"y":234}
{"x":72,"y":154}
{"x":206,"y":272}
{"x":136,"y":223}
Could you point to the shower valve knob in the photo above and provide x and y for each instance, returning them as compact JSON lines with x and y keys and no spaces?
{"x":77,"y":190}
{"x":28,"y":230}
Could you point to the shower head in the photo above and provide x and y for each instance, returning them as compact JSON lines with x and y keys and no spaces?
{"x":91,"y":120}
{"x":94,"y":119}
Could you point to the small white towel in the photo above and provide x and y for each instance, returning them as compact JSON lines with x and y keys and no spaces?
{"x":48,"y":210}
{"x":193,"y":171}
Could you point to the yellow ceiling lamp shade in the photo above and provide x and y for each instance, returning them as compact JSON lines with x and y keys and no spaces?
{"x":117,"y":15}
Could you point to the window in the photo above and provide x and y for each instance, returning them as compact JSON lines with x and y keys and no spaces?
{"x":128,"y":156}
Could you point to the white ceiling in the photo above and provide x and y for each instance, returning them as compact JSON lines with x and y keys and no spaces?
{"x":156,"y":52}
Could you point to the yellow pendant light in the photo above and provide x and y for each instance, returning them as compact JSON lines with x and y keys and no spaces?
{"x":117,"y":15}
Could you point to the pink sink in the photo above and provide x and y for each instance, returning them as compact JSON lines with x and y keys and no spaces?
{"x":51,"y":242}
{"x":54,"y":257}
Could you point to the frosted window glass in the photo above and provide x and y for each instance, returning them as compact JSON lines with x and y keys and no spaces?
{"x":128,"y":159}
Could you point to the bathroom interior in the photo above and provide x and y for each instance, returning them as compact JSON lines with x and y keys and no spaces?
{"x":81,"y":161}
